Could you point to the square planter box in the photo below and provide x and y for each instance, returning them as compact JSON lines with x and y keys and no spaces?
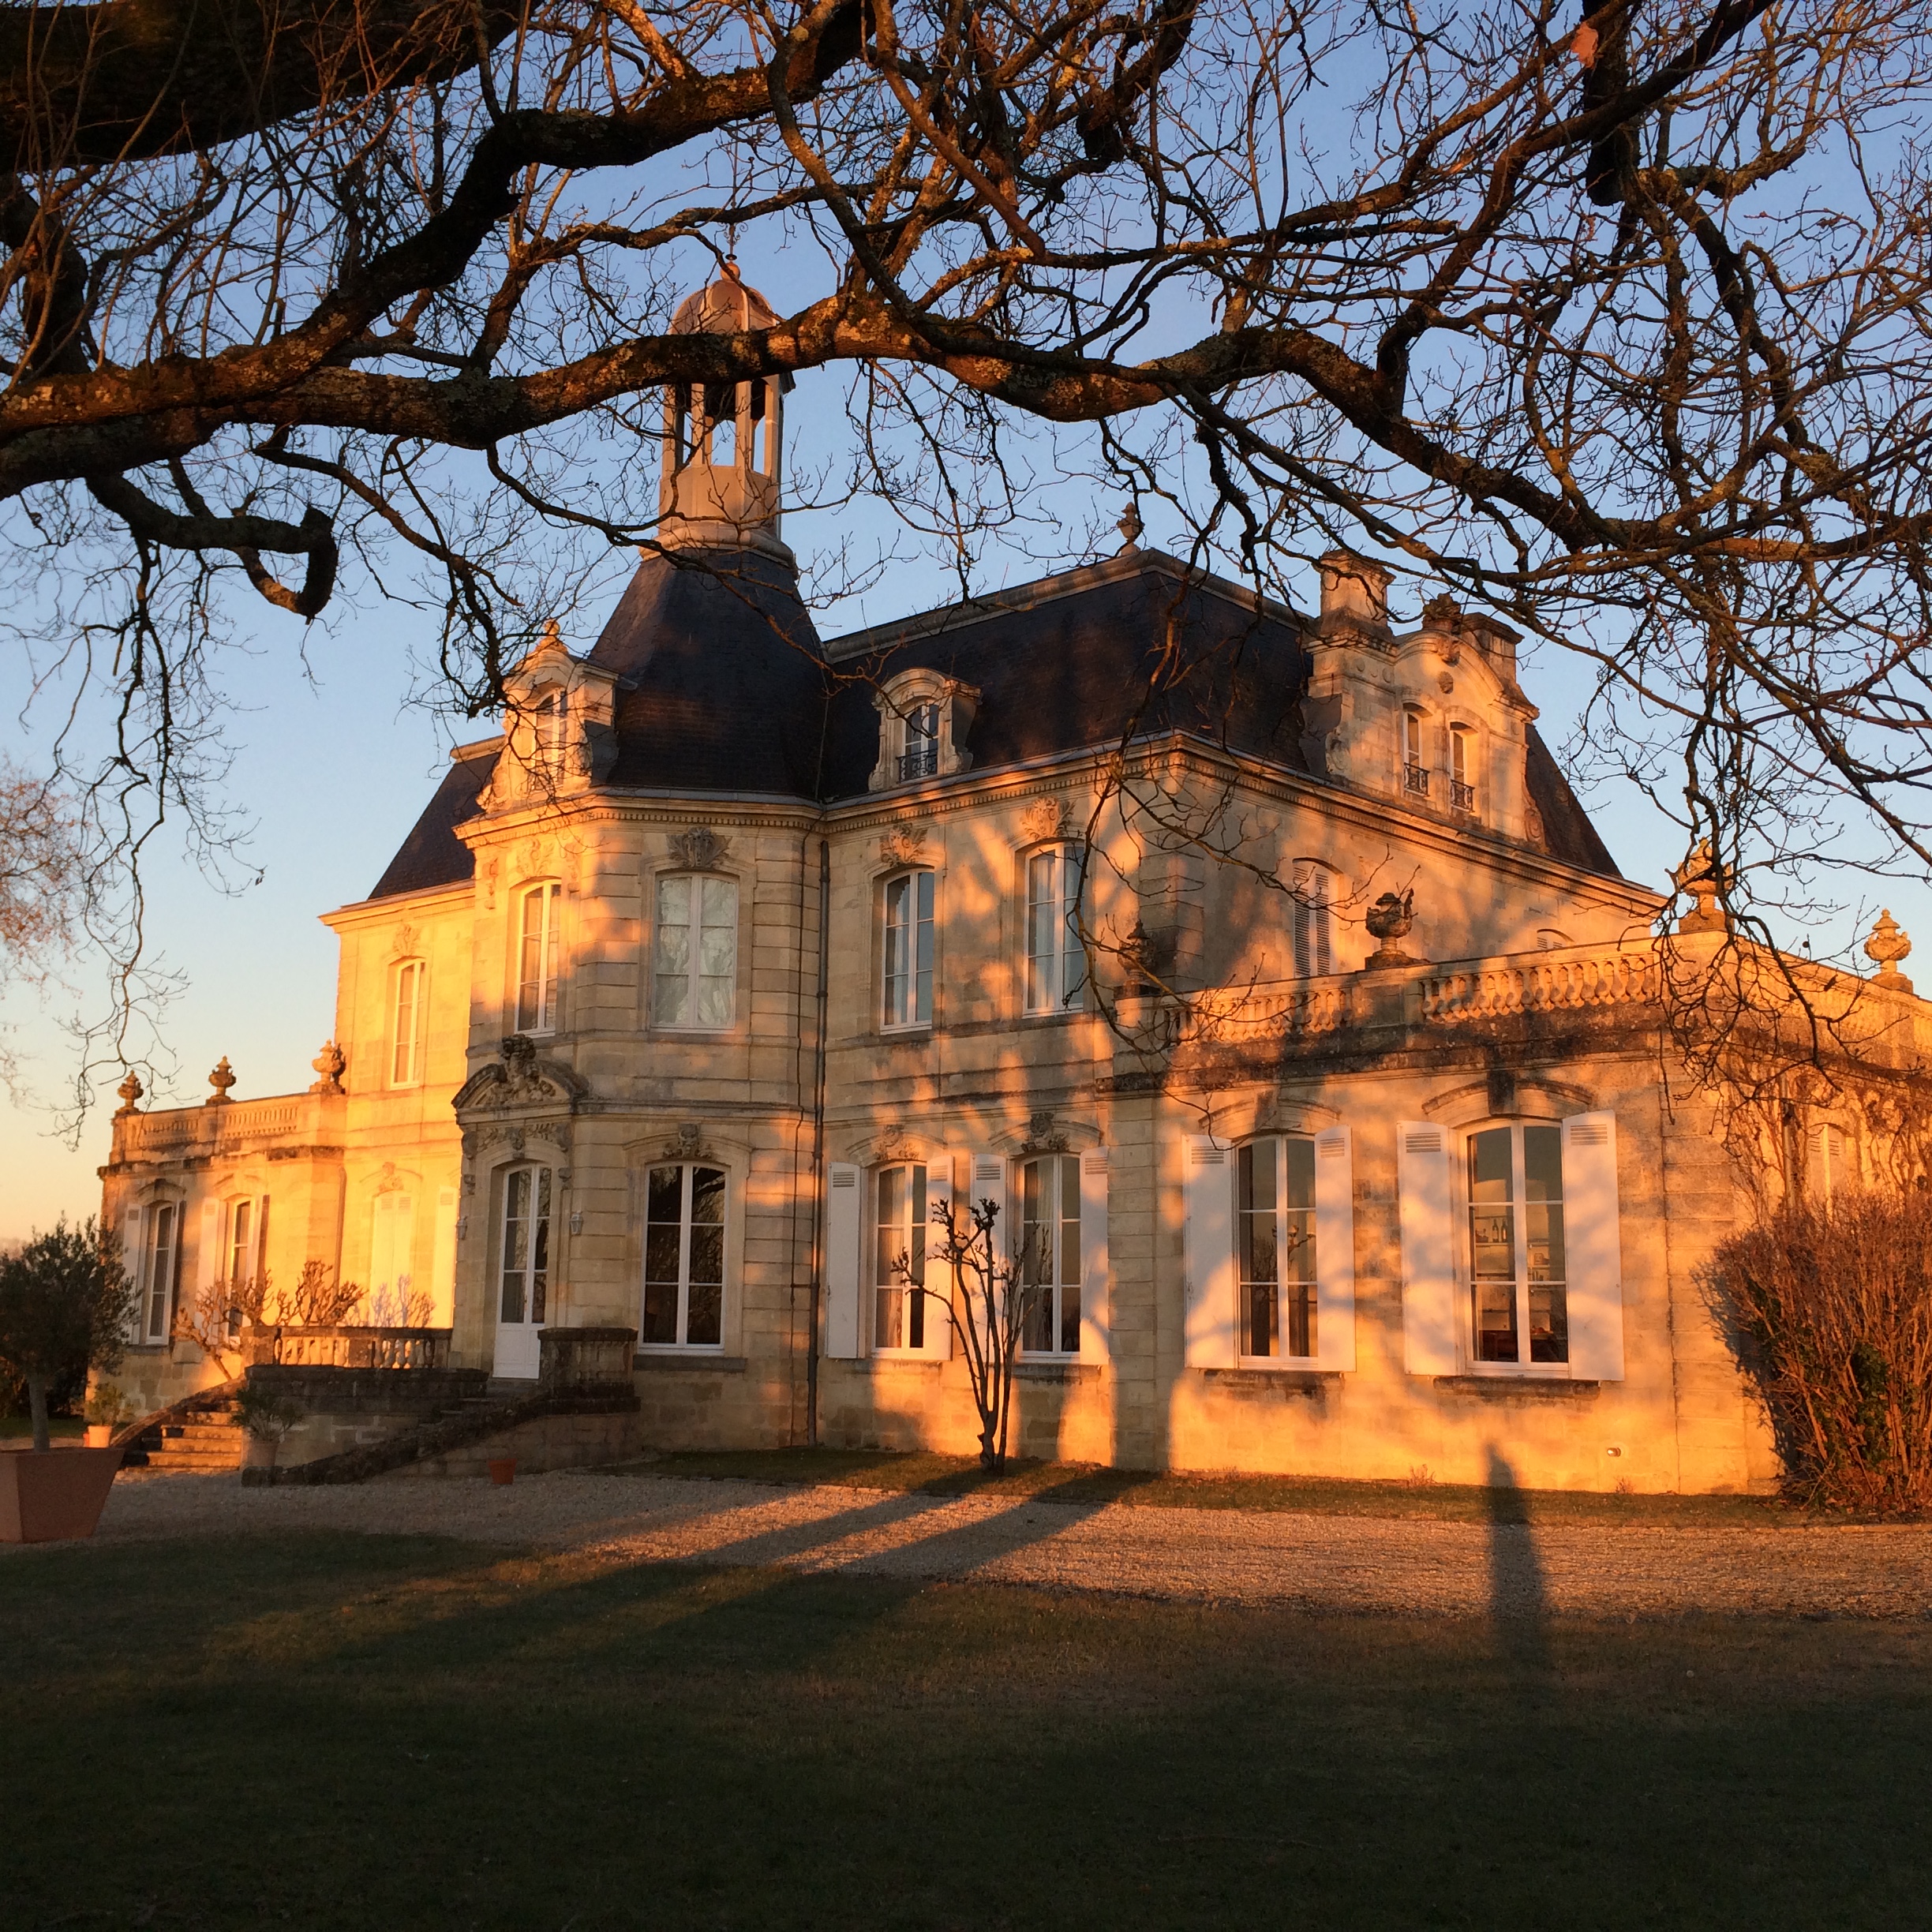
{"x":49,"y":1495}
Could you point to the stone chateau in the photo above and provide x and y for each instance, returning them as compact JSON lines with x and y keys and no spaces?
{"x":1261,"y":965}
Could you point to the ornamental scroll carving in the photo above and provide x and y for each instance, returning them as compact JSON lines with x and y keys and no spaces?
{"x":519,"y":1078}
{"x":1045,"y":819}
{"x":902,"y":845}
{"x":700,"y":849}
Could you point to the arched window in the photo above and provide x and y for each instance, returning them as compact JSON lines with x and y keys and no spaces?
{"x":1519,"y":1308}
{"x":536,"y":959}
{"x":552,"y":712}
{"x":405,"y":1028}
{"x":907,"y":964}
{"x":919,"y":756}
{"x":1275,"y":1247}
{"x":684,"y":1257}
{"x":900,"y":1239}
{"x":1313,"y":890}
{"x":1050,"y":1253}
{"x":160,"y":1248}
{"x":694,"y":978}
{"x":1056,"y":963}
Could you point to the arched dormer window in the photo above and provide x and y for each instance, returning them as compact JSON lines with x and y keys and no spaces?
{"x":551,"y":713}
{"x":924,"y":720}
{"x":1415,"y":753}
{"x":409,"y":979}
{"x":1462,"y":768}
{"x":539,"y":909}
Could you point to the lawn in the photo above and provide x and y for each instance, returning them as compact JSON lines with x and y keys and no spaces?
{"x":335,"y":1731}
{"x":59,"y":1426}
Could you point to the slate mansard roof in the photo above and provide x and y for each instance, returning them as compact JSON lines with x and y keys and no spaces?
{"x":727,"y":688}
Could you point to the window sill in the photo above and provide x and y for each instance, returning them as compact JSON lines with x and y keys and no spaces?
{"x":891,"y":1036}
{"x":690,"y":1359}
{"x":1523,"y":1386}
{"x":1262,"y":1381}
{"x":878,"y":1359}
{"x":1048,"y":1368}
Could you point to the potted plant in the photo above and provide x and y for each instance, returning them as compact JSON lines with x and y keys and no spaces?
{"x":66,"y":1303}
{"x":108,"y":1409}
{"x":266,"y":1419}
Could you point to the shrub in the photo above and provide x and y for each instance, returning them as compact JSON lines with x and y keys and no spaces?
{"x":1833,"y":1308}
{"x":65,"y":1304}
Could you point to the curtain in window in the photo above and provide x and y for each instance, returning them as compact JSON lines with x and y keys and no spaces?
{"x":526,"y":1267}
{"x":695,"y":973}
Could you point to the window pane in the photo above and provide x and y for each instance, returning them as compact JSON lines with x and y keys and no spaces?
{"x":1256,"y":1167}
{"x":898,"y":914}
{"x":721,"y":902}
{"x":922,"y":1003}
{"x":1543,"y":1163}
{"x":1036,"y":1252}
{"x":1069,"y":1268}
{"x":708,"y":1197}
{"x":672,"y":970}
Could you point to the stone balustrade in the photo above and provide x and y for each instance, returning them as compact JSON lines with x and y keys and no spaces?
{"x":1574,"y":980}
{"x":348,"y":1347}
{"x":179,"y":1133}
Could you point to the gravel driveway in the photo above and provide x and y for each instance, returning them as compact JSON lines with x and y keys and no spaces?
{"x":1331,"y":1563}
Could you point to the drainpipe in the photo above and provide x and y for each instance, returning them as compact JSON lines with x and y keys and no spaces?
{"x":818,"y":1113}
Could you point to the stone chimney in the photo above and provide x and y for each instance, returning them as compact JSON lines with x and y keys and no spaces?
{"x":1355,"y":597}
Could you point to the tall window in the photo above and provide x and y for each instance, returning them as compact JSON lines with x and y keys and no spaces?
{"x":899,"y":1259}
{"x":1516,"y":1244}
{"x":405,"y":1032}
{"x":242,"y":1240}
{"x":1312,"y":955}
{"x":536,"y":959}
{"x":1056,"y":967}
{"x":526,"y":1268}
{"x":684,"y":1257}
{"x":1415,"y":759}
{"x":1275,"y":1245}
{"x":696,"y":971}
{"x":552,"y":717}
{"x":158,"y":1267}
{"x":1050,"y":1253}
{"x":1461,"y":791}
{"x":921,"y":758}
{"x":909,"y":949}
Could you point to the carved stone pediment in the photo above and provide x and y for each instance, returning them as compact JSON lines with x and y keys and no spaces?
{"x":700,"y":849}
{"x":521,"y":1079}
{"x":902,"y":845}
{"x":1046,"y":818}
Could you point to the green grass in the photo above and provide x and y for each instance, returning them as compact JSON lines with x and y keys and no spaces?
{"x":1070,"y":1482}
{"x":332,"y":1731}
{"x":59,"y":1426}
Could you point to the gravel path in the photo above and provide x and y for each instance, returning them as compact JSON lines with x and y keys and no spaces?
{"x":1331,"y":1563}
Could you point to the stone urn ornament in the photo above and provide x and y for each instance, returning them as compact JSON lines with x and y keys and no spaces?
{"x":1885,"y":947}
{"x":1390,"y":921}
{"x":221,"y":1079}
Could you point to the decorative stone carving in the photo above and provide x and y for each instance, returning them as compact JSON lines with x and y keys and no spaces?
{"x":330,"y":1064}
{"x":402,"y":942}
{"x":1044,"y":819}
{"x":700,"y":849}
{"x":1390,"y":920}
{"x":688,"y":1144}
{"x":1885,"y":947}
{"x":1702,"y":877}
{"x":1043,"y":1136}
{"x":902,"y":845}
{"x":130,"y":1090}
{"x":521,"y":1079}
{"x":487,"y":873}
{"x":221,"y":1080}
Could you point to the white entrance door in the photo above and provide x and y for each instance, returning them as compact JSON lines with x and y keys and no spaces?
{"x":524,"y":1280}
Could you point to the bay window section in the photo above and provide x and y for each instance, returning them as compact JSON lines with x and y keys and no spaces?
{"x":1056,"y":965}
{"x":1275,"y":1244}
{"x":899,"y":1237}
{"x":684,"y":1257}
{"x":1050,"y":1254}
{"x":695,"y":972}
{"x":1518,"y":1304}
{"x":908,"y":950}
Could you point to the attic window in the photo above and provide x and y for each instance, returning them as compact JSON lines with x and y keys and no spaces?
{"x":924,"y":720}
{"x":921,"y":758}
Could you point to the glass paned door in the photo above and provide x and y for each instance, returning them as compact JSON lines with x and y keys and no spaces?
{"x":523,"y":1270}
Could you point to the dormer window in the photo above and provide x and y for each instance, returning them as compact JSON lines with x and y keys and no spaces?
{"x":924,"y":720}
{"x":1415,"y":759}
{"x":1462,"y":792}
{"x":552,"y":712}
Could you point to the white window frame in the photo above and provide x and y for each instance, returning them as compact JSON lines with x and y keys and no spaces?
{"x":160,"y":1268}
{"x":1297,"y":1242}
{"x":406,"y":1041}
{"x":912,"y":1227}
{"x":537,"y":1010}
{"x":1313,"y":921}
{"x":1415,"y":752}
{"x":1526,"y":1363}
{"x":906,"y":996}
{"x":1462,"y":762}
{"x":551,"y":729}
{"x":695,"y":885}
{"x":686,"y":1225}
{"x":536,"y":1284}
{"x":1056,"y":970}
{"x":1058,"y":1174}
{"x":241,"y":1238}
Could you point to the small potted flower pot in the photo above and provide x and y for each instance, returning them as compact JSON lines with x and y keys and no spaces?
{"x":502,"y":1471}
{"x":99,"y":1435}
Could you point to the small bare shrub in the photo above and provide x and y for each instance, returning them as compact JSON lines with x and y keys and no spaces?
{"x":222,"y":1314}
{"x":1833,"y":1305}
{"x":398,"y":1307}
{"x":1420,"y":1476}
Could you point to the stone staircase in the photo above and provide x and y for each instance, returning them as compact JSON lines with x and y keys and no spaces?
{"x":201,"y":1441}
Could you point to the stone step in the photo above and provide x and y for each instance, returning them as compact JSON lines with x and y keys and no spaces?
{"x":182,"y":1464}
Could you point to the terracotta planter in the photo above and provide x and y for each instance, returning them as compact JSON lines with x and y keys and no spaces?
{"x":51,"y":1496}
{"x":259,"y":1452}
{"x":503,"y":1470}
{"x":99,"y":1435}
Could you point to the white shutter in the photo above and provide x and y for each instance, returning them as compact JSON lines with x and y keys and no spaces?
{"x":1430,"y":1328}
{"x":1096,"y":1283}
{"x":1592,"y":1249}
{"x":209,"y":1263}
{"x":1825,"y":1162}
{"x":843,"y":1231}
{"x":940,"y":1285}
{"x":1335,"y":1249}
{"x":1209,"y":1245}
{"x":443,"y":1264}
{"x":258,"y":1238}
{"x":986,"y":1180}
{"x":132,"y":1220}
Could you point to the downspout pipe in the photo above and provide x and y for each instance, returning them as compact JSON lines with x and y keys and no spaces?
{"x":818,"y":1117}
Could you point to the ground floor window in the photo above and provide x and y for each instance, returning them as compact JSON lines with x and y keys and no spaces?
{"x":157,"y":1269}
{"x":526,"y":1275}
{"x":1274,"y":1246}
{"x":684,"y":1257}
{"x":899,"y":1237}
{"x":1517,"y":1300}
{"x":1050,"y":1253}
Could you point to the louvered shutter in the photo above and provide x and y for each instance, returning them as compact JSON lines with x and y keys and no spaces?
{"x":1209,"y":1254}
{"x":1335,"y":1249}
{"x":1430,"y":1328}
{"x":1825,"y":1162}
{"x":258,"y":1239}
{"x":843,"y":1242}
{"x":131,"y":1223}
{"x":1096,"y":1280}
{"x":940,"y":1287}
{"x":1593,"y":1247}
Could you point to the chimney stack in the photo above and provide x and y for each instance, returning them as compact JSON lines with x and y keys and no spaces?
{"x":1354,"y":595}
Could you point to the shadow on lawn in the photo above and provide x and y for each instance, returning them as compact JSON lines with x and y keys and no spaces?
{"x":1519,"y":1598}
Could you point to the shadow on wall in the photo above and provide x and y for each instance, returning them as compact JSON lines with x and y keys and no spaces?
{"x":1519,"y":1601}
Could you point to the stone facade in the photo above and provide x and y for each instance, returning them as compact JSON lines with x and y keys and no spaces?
{"x":1334,"y":893}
